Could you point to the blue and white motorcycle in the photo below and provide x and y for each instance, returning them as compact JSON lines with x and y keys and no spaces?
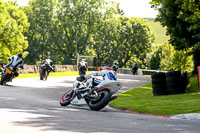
{"x":96,"y":93}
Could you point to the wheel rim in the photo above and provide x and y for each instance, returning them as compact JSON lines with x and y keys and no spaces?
{"x":101,"y":96}
{"x":67,"y":96}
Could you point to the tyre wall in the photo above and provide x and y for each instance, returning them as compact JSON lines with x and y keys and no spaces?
{"x":172,"y":82}
{"x":159,"y":84}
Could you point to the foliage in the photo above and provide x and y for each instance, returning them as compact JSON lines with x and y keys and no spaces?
{"x":78,"y":21}
{"x":153,"y":58}
{"x":181,"y":17}
{"x":88,"y":27}
{"x":165,"y":57}
{"x":13,"y":24}
{"x":123,"y":38}
{"x":193,"y":84}
{"x":159,"y":31}
{"x":64,"y":28}
{"x":40,"y":16}
{"x":142,"y":100}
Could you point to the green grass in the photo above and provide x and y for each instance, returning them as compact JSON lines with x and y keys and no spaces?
{"x":142,"y":100}
{"x":52,"y":74}
{"x":159,"y":31}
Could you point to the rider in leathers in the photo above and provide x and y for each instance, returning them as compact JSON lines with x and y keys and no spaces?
{"x":48,"y":63}
{"x":82,"y":68}
{"x":15,"y":62}
{"x":107,"y":74}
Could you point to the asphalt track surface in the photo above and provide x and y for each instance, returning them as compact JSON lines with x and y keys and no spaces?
{"x":32,"y":106}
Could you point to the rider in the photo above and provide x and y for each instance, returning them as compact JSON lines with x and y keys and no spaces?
{"x":115,"y":65}
{"x":15,"y":62}
{"x":48,"y":63}
{"x":134,"y":68}
{"x":82,"y":67}
{"x":107,"y":74}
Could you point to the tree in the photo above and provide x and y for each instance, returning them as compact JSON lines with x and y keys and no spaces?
{"x":87,"y":27}
{"x":41,"y":16}
{"x":181,"y":17}
{"x":164,"y":57}
{"x":77,"y":20}
{"x":153,"y":58}
{"x":13,"y":24}
{"x":122,"y":38}
{"x":63,"y":28}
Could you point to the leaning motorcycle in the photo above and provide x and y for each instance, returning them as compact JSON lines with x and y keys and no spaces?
{"x":8,"y":74}
{"x":96,"y":98}
{"x":44,"y":71}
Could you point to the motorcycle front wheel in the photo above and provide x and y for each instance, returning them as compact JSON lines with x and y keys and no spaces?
{"x":67,"y":98}
{"x":100,"y":102}
{"x":3,"y":78}
{"x":41,"y":74}
{"x":46,"y":74}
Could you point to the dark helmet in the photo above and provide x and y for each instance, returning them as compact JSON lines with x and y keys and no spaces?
{"x":19,"y":55}
{"x":116,"y":62}
{"x":115,"y":67}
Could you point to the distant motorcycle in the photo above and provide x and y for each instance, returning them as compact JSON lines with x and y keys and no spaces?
{"x":8,"y":74}
{"x":45,"y":69}
{"x":96,"y":98}
{"x":134,"y":68}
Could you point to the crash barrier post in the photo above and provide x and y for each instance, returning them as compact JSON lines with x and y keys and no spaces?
{"x":172,"y":82}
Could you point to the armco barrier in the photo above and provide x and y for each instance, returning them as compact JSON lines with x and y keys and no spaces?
{"x":63,"y":68}
{"x":140,"y":71}
{"x":58,"y":68}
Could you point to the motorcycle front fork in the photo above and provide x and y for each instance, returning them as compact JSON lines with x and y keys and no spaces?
{"x":81,"y":93}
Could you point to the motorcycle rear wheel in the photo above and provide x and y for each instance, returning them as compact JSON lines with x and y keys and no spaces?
{"x":101,"y":102}
{"x":67,"y":98}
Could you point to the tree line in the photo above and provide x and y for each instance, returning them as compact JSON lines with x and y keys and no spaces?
{"x":62,"y":29}
{"x":181,"y":18}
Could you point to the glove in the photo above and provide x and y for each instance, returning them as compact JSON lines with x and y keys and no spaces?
{"x":89,"y":77}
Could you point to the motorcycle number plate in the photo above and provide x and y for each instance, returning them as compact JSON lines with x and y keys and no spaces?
{"x":8,"y":71}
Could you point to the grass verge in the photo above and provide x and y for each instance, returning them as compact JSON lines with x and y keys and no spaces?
{"x":142,"y":100}
{"x":52,"y":74}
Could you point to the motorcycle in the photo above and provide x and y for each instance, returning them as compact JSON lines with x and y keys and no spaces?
{"x":44,"y":71}
{"x":8,"y":74}
{"x":134,"y":70}
{"x":96,"y":98}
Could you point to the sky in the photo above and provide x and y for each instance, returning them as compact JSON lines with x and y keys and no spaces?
{"x":131,"y":8}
